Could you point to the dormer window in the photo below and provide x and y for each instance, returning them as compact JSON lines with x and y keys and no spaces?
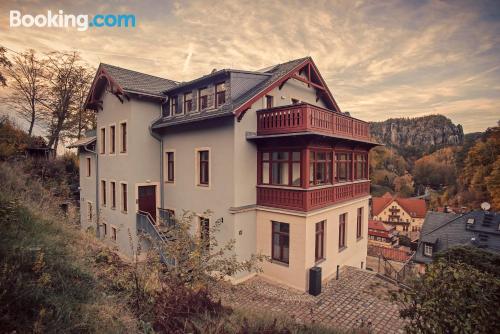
{"x":470,"y":221}
{"x":203,"y":98}
{"x":427,"y":250}
{"x":175,"y":107}
{"x":188,"y":102}
{"x":220,"y":94}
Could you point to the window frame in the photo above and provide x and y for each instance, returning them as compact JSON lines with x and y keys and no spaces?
{"x":218,"y":92}
{"x":90,"y":213}
{"x":426,"y":247}
{"x":319,"y":241}
{"x":197,"y":169}
{"x":169,"y":166}
{"x":112,"y":139}
{"x":347,"y":162}
{"x":124,"y":197}
{"x":359,"y":223}
{"x":270,"y":161}
{"x":102,"y":146}
{"x":123,"y":137}
{"x":88,"y":161}
{"x":204,"y":232}
{"x":203,"y":98}
{"x":103,"y":193}
{"x":342,"y":231}
{"x":269,"y":101}
{"x":176,"y":110}
{"x":112,"y":189}
{"x":314,"y":162}
{"x":188,"y":102}
{"x":281,"y":235}
{"x":360,"y":162}
{"x":114,"y":233}
{"x":203,"y":164}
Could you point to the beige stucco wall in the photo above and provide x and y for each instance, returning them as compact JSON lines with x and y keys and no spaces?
{"x":140,"y":165}
{"x":302,"y":242}
{"x":87,"y":191}
{"x":404,"y":217}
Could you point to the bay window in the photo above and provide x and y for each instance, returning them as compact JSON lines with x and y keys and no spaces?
{"x":320,"y":167}
{"x":281,"y":168}
{"x":343,"y":167}
{"x":360,"y":166}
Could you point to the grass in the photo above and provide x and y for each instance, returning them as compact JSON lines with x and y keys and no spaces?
{"x":55,"y":278}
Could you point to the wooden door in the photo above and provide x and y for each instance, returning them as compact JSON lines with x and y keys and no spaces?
{"x":147,"y":200}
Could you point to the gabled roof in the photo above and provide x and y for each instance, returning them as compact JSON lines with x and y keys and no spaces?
{"x":378,"y":225}
{"x":445,"y":230}
{"x":82,"y":142}
{"x":415,"y":207}
{"x":134,"y":81}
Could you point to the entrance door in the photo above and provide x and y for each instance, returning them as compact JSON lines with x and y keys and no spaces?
{"x":147,"y":200}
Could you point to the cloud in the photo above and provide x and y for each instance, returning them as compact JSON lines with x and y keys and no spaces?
{"x":381,"y":59}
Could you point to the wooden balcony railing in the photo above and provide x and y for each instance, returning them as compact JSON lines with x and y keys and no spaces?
{"x":310,"y":199}
{"x":305,"y":117}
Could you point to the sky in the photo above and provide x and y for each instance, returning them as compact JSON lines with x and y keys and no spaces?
{"x":380,"y":59}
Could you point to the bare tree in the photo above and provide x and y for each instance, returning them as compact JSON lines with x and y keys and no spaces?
{"x":81,"y":119}
{"x":64,"y":74}
{"x":26,"y":79}
{"x":4,"y":62}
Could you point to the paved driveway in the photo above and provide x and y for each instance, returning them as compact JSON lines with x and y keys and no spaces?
{"x":358,"y":297}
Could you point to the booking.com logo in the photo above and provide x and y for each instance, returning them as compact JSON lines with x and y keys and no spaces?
{"x":60,"y":20}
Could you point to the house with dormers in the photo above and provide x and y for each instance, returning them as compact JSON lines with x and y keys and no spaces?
{"x":406,"y":215}
{"x":269,"y":151}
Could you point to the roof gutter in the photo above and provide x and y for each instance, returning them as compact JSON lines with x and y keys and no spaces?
{"x":160,"y":139}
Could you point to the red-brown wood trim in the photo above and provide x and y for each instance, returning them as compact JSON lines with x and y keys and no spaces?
{"x":308,"y":82}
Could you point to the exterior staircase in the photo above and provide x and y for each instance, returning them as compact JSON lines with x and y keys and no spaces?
{"x":147,"y":225}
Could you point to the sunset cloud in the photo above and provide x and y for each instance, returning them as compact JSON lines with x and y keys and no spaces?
{"x":381,"y":59}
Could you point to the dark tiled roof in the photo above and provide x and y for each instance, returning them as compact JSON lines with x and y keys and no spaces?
{"x":133,"y":81}
{"x":445,"y":230}
{"x":274,"y":74}
{"x":82,"y":142}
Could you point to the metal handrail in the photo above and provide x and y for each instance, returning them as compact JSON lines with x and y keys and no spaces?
{"x":148,"y":226}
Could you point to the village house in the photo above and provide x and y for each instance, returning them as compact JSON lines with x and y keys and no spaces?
{"x":268,"y":151}
{"x":405,"y":214}
{"x":441,"y":231}
{"x":380,"y":234}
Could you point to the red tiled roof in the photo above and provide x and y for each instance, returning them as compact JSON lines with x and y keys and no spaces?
{"x":379,"y":234}
{"x":415,"y":207}
{"x":389,"y":253}
{"x":378,"y":225}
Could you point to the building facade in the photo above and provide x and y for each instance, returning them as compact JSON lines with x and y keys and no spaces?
{"x":380,"y":234}
{"x":268,"y":151}
{"x":405,"y":214}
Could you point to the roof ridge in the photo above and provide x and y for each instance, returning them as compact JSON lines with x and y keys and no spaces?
{"x":150,"y":75}
{"x":446,"y":223}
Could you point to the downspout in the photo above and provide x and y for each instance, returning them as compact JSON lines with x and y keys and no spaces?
{"x":159,"y":138}
{"x":97,"y":233}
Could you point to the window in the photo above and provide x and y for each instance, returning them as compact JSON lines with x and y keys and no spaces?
{"x":89,"y":166}
{"x":203,"y":98}
{"x":165,"y":109}
{"x":360,"y":166}
{"x":170,"y":166}
{"x":188,"y":102}
{"x":175,"y":108}
{"x":319,"y":252}
{"x":103,"y":193}
{"x":168,"y":215}
{"x":113,"y":194}
{"x":320,"y":167}
{"x":105,"y":228}
{"x":205,"y":233}
{"x":89,"y":211}
{"x":112,"y":133}
{"x":220,"y":94}
{"x":342,"y":230}
{"x":269,"y":101}
{"x":203,"y":158}
{"x":123,"y":139}
{"x":343,"y":164}
{"x":280,"y":242}
{"x":103,"y":140}
{"x":359,"y":223}
{"x":113,"y":233}
{"x":295,"y":101}
{"x":124,"y":197}
{"x":427,"y":250}
{"x":281,"y":168}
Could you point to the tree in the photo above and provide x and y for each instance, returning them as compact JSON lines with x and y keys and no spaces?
{"x":5,"y":63}
{"x":65,"y":73}
{"x":26,"y":75}
{"x":453,"y":296}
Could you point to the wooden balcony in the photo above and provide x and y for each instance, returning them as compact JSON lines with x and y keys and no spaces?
{"x":300,"y":199}
{"x":308,"y":118}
